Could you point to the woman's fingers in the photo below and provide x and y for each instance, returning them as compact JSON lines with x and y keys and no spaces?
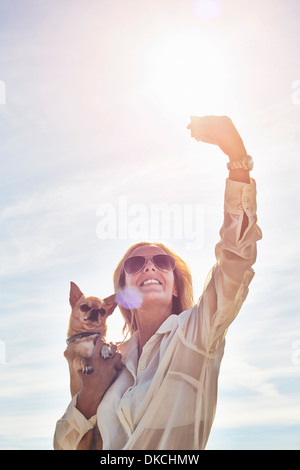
{"x":218,"y":130}
{"x":113,"y":348}
{"x":98,"y":346}
{"x":106,"y":355}
{"x":117,"y":362}
{"x":204,"y":128}
{"x":195,"y":127}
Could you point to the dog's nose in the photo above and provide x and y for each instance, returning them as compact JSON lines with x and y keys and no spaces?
{"x":94,"y":314}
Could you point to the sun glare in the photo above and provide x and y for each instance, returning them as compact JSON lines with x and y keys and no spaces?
{"x":186,"y":72}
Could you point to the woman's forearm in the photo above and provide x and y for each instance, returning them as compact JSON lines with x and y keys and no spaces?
{"x":220,"y":130}
{"x":88,"y":405}
{"x":94,"y":386}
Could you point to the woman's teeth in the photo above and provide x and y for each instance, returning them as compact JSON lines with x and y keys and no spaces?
{"x":150,"y":281}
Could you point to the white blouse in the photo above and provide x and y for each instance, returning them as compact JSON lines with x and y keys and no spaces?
{"x":167,"y":399}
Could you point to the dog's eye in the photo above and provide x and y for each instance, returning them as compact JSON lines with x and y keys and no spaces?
{"x":102,"y":311}
{"x":85,"y":308}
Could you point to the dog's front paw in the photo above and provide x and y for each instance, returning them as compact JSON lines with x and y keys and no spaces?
{"x":106,"y":351}
{"x":87,"y":370}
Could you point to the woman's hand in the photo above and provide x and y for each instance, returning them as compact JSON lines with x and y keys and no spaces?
{"x":94,"y":386}
{"x":218,"y":130}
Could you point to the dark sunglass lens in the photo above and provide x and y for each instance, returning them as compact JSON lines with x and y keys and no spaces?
{"x":164,"y":262}
{"x":134,"y":264}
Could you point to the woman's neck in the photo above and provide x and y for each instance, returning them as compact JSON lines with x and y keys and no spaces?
{"x":148,"y":321}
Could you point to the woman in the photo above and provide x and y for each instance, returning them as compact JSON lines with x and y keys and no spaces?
{"x":165,"y":395}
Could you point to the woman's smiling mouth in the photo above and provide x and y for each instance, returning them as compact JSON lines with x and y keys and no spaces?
{"x":150,"y":281}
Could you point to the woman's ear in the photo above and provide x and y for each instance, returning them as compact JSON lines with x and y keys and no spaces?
{"x":175,"y":293}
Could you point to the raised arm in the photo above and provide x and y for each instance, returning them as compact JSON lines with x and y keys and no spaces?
{"x":220,"y":130}
{"x":226,"y":286}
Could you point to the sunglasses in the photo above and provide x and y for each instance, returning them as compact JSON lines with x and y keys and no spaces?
{"x":135,"y":264}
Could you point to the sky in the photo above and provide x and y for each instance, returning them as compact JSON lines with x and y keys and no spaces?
{"x":95,"y":97}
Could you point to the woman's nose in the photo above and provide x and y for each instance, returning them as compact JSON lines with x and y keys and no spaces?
{"x":149,"y":265}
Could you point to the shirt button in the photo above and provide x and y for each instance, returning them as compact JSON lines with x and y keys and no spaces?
{"x":240,"y":206}
{"x":245,"y":199}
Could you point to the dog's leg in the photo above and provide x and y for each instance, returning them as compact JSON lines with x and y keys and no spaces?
{"x":82,"y":363}
{"x":86,"y":367}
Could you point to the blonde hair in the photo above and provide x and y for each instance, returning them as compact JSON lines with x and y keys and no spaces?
{"x":182,"y":278}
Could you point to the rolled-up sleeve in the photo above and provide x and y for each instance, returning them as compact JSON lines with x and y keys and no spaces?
{"x":71,"y":428}
{"x":226,"y":286}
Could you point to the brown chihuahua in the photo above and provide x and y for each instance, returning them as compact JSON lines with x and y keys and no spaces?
{"x":87,"y":322}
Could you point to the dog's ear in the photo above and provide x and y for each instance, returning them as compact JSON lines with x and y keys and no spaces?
{"x":75,"y":294}
{"x":110,"y":303}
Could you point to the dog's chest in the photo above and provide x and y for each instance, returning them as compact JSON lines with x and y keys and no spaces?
{"x":85,"y":348}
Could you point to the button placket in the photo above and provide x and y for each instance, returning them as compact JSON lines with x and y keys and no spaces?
{"x":142,"y":363}
{"x":145,"y":352}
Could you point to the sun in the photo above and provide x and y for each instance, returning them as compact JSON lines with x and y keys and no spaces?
{"x":187,"y":72}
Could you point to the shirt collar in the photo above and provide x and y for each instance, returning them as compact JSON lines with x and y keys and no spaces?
{"x":128,"y":347}
{"x":171,"y":322}
{"x":129,"y":351}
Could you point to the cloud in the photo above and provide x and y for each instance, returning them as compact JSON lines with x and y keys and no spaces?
{"x":20,"y":427}
{"x":258,"y":412}
{"x":40,"y":229}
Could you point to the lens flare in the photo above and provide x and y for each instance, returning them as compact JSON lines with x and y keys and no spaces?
{"x":129,"y":298}
{"x":207,"y":9}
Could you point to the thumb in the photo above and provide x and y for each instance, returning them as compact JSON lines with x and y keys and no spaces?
{"x":98,"y":346}
{"x":189,"y":126}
